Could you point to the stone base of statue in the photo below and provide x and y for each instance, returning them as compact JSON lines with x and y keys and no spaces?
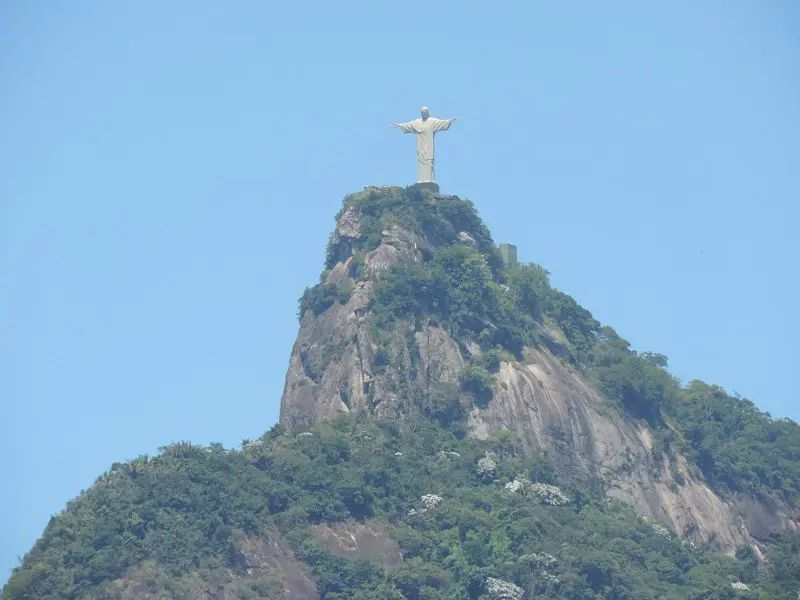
{"x":431,"y":186}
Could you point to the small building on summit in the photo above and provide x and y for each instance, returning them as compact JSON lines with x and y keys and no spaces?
{"x":509,"y":254}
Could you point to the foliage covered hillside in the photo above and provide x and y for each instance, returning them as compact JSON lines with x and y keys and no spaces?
{"x":466,"y":515}
{"x":474,"y":520}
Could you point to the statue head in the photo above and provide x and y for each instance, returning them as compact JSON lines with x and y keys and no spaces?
{"x":424,"y":112}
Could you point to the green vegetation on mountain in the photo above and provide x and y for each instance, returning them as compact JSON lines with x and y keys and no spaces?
{"x":186,"y":509}
{"x":737,"y":447}
{"x":321,"y":297}
{"x":474,"y":520}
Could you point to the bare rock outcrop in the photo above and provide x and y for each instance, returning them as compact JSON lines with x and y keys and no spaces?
{"x":556,"y":413}
{"x":359,"y":540}
{"x":333,"y":367}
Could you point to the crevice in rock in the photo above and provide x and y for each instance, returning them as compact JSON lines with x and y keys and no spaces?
{"x":366,"y":378}
{"x":307,"y":365}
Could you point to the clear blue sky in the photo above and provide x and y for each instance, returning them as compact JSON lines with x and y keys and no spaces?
{"x":169,"y":174}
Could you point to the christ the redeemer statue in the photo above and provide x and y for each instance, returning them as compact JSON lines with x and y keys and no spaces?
{"x":425,"y":128}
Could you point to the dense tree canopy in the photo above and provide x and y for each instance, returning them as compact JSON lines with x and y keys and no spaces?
{"x":183,"y":511}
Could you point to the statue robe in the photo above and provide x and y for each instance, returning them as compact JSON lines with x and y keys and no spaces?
{"x":425,"y":131}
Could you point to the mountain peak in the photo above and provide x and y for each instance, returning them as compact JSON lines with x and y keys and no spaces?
{"x":348,"y":320}
{"x":418,"y":312}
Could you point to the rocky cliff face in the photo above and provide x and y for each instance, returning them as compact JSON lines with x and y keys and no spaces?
{"x":332,"y":367}
{"x":339,"y":363}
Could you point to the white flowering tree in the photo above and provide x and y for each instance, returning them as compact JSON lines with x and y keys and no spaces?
{"x":499,"y":589}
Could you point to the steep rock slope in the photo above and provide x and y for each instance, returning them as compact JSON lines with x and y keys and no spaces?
{"x":350,"y":357}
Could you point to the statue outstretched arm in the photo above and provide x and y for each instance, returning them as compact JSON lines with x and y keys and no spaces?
{"x":442,"y":124}
{"x":410,"y":127}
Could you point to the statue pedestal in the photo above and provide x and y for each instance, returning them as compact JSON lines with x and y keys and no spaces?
{"x":428,"y":185}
